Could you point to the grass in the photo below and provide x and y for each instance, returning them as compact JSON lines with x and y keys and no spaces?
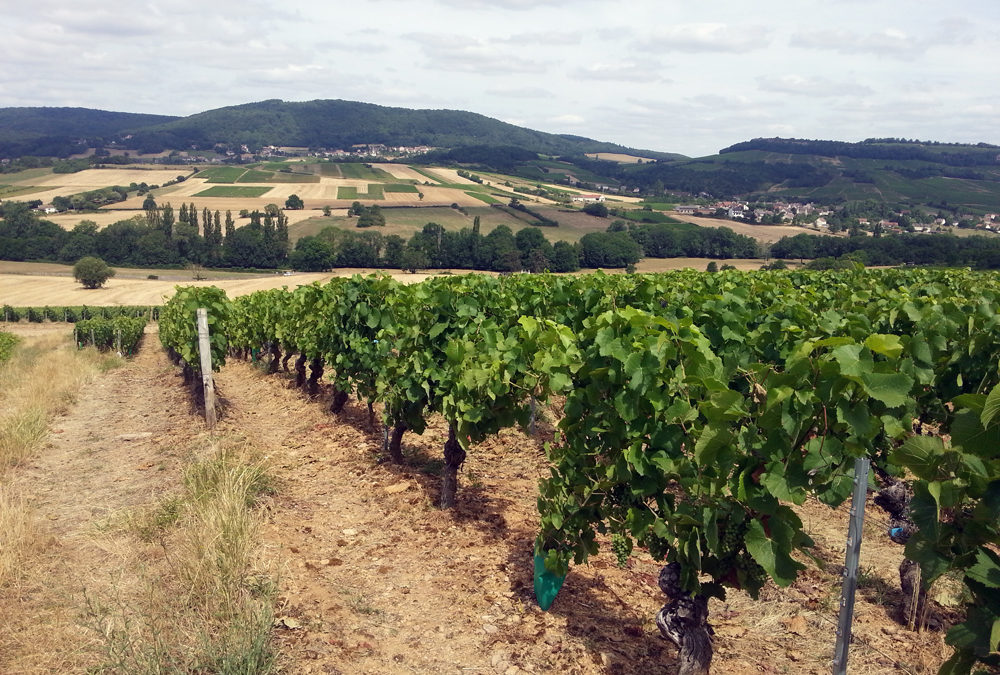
{"x":7,"y":344}
{"x":206,"y":605}
{"x":427,"y":174}
{"x":41,"y":379}
{"x":234,"y":191}
{"x":349,"y":192}
{"x":8,"y":191}
{"x":362,"y":172}
{"x":483,"y":197}
{"x":400,"y":187}
{"x":256,"y":176}
{"x":17,"y":531}
{"x":221,"y":174}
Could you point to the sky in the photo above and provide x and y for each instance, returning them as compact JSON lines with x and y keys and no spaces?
{"x":686,"y":77}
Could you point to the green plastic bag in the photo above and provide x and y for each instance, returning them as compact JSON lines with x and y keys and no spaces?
{"x":547,"y":584}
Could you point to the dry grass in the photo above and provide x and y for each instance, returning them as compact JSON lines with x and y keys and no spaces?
{"x":42,"y":379}
{"x":17,"y":534}
{"x":206,"y":604}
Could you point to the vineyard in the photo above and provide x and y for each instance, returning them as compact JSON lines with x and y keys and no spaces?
{"x":696,"y":411}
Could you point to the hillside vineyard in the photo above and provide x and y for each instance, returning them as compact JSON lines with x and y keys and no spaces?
{"x":699,"y":409}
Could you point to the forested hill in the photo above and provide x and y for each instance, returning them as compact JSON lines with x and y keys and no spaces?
{"x":321,"y":123}
{"x":58,"y":132}
{"x":893,"y":171}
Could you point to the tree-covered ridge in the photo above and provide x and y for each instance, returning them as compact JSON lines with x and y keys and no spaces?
{"x":952,"y":154}
{"x":58,"y":132}
{"x":320,"y":123}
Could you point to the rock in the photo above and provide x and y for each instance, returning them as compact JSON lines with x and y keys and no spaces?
{"x":397,"y":488}
{"x":490,"y":629}
{"x":349,"y":532}
{"x":135,"y":436}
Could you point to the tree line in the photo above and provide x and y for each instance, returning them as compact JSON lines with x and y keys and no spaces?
{"x":160,"y":237}
{"x":917,"y":249}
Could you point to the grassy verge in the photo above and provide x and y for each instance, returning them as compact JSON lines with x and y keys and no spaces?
{"x":206,"y":605}
{"x":233,"y":191}
{"x":41,"y":377}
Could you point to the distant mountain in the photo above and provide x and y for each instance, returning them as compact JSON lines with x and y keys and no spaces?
{"x":322,"y":123}
{"x":59,"y":132}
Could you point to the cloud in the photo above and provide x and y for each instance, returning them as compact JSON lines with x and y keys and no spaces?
{"x":544,"y":38}
{"x":521,"y":92}
{"x":890,"y":41}
{"x":628,"y":71}
{"x":811,"y":86}
{"x":708,"y":37}
{"x":568,"y":119}
{"x":471,"y":55}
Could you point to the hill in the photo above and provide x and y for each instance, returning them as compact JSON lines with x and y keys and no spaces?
{"x":59,"y":132}
{"x":320,"y":123}
{"x":947,"y":176}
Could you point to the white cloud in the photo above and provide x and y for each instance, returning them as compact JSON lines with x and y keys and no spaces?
{"x":709,"y":37}
{"x":814,"y":86}
{"x":628,"y":71}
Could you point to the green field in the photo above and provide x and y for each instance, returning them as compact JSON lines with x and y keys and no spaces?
{"x":234,"y":191}
{"x":427,"y":174}
{"x":221,"y":174}
{"x":7,"y":191}
{"x":482,"y":196}
{"x":330,"y":169}
{"x":400,"y":187}
{"x":362,"y":172}
{"x":347,"y":192}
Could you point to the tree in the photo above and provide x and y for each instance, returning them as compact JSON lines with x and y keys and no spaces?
{"x":92,"y":272}
{"x":596,"y":209}
{"x":294,"y":202}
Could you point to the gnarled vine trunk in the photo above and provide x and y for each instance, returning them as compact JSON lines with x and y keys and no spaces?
{"x":284,"y":361}
{"x":454,"y":456}
{"x":395,"y":442}
{"x":338,"y":401}
{"x":315,"y":372}
{"x":300,"y":371}
{"x":894,"y":498}
{"x":275,"y":352}
{"x":684,"y":621}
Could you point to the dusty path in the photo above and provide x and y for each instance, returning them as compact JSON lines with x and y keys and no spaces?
{"x":376,"y":579}
{"x":115,"y":449}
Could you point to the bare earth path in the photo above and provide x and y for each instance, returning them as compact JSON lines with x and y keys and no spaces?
{"x":375,"y":579}
{"x":113,"y":450}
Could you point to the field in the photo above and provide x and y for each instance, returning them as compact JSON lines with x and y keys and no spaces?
{"x":618,"y":157}
{"x":233,"y":191}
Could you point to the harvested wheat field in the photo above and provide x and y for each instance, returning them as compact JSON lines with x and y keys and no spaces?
{"x":346,"y":565}
{"x":763,"y":233}
{"x":92,"y":179}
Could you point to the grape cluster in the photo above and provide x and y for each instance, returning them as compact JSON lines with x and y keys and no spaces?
{"x":731,"y":538}
{"x":754,"y":575}
{"x":620,"y":547}
{"x":658,"y":547}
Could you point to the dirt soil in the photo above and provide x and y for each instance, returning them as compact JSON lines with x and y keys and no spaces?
{"x":374,"y":578}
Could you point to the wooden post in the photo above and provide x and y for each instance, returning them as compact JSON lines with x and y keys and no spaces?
{"x":205,"y":351}
{"x":857,"y":521}
{"x":531,"y":423}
